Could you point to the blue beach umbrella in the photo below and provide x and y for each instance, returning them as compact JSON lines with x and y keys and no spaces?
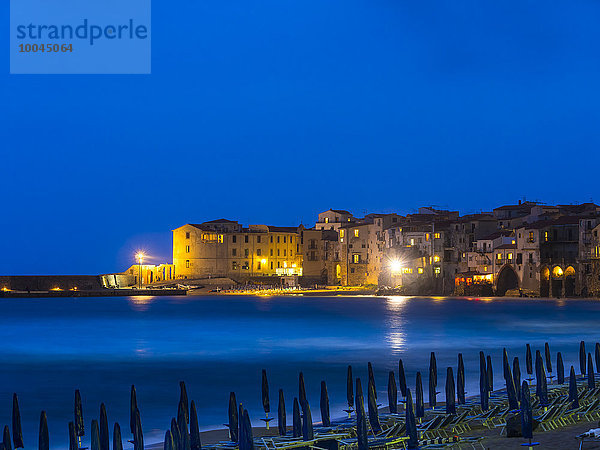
{"x":372,"y":379}
{"x":548,"y":357}
{"x":372,"y":404}
{"x":73,"y":445}
{"x":526,"y":413}
{"x":95,"y":435}
{"x":460,"y":380}
{"x":195,"y":443}
{"x":117,"y":440}
{"x":176,"y":435}
{"x":183,"y":399}
{"x":511,"y":391}
{"x":582,"y":360}
{"x":43,"y":438}
{"x":361,"y":420}
{"x":324,"y":405}
{"x":296,"y":420}
{"x":597,"y":356}
{"x":132,"y":407}
{"x":349,"y":389}
{"x":103,"y":431}
{"x":281,"y":416}
{"x":232,"y":414}
{"x":168,"y":444}
{"x":78,"y":414}
{"x":490,"y":374}
{"x":590,"y":374}
{"x":483,"y":383}
{"x":573,"y":395}
{"x":17,"y":432}
{"x":517,"y":376}
{"x":183,"y":429}
{"x":450,"y":400}
{"x":301,"y":390}
{"x":402,"y":379}
{"x":419,"y":403}
{"x":528,"y":361}
{"x":411,"y":425}
{"x":560,"y":369}
{"x":392,"y":393}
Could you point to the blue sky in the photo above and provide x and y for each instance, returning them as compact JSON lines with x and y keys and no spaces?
{"x":271,"y":111}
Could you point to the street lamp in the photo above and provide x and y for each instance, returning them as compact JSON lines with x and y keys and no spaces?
{"x":140,"y":258}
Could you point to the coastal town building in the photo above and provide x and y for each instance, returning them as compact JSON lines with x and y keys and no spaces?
{"x":528,"y":248}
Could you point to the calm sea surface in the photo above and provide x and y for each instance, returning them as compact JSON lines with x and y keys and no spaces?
{"x":50,"y":347}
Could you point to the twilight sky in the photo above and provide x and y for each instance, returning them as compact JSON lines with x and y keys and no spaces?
{"x":271,"y":111}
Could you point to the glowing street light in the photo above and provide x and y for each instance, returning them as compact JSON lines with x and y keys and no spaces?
{"x":140,"y":258}
{"x":395,"y":266}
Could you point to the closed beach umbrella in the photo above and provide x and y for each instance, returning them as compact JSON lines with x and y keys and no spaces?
{"x":460,"y":380}
{"x":265,"y":394}
{"x":372,"y":403}
{"x":411,"y":424}
{"x":433,"y":368}
{"x":6,"y":439}
{"x":432,"y":388}
{"x":233,"y":418}
{"x":183,"y":429}
{"x":194,"y":429}
{"x":597,"y":357}
{"x":504,"y":362}
{"x":483,"y":383}
{"x":548,"y":357}
{"x":95,"y":436}
{"x":296,"y":421}
{"x":246,"y":439}
{"x":450,"y":401}
{"x":419,"y":403}
{"x":301,"y":390}
{"x":392,"y":393}
{"x":490,"y":374}
{"x":248,"y":431}
{"x":538,"y":366}
{"x":281,"y":417}
{"x":372,"y":378}
{"x":17,"y":432}
{"x":138,"y":435}
{"x":543,"y":387}
{"x":324,"y":405}
{"x":517,"y":377}
{"x":132,"y":407}
{"x":241,"y":428}
{"x":573,"y":396}
{"x":175,"y":434}
{"x":361,"y":420}
{"x":526,"y":413}
{"x":117,"y":441}
{"x":511,"y":391}
{"x":560,"y":369}
{"x":402,"y":379}
{"x":169,"y":444}
{"x":590,"y":374}
{"x":73,"y":445}
{"x":307,"y":425}
{"x":78,"y":414}
{"x":44,"y":438}
{"x":528,"y":361}
{"x":104,"y":438}
{"x":183,"y":399}
{"x":582,"y":360}
{"x":349,"y":388}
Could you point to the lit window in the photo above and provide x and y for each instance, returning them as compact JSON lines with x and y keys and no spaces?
{"x":499,"y":256}
{"x":438,"y":270}
{"x":342,"y":232}
{"x":510,"y":255}
{"x":326,"y":219}
{"x":356,"y":232}
{"x":407,"y":270}
{"x":436,"y":258}
{"x":545,"y":236}
{"x":531,"y":236}
{"x":412,"y":241}
{"x":426,"y":236}
{"x":187,"y":263}
{"x":187,"y":248}
{"x":355,"y":259}
{"x":436,"y":235}
{"x":513,"y":241}
{"x":420,"y":270}
{"x":485,"y":268}
{"x":220,"y":239}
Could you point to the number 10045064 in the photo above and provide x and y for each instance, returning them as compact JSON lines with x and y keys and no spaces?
{"x":45,"y":48}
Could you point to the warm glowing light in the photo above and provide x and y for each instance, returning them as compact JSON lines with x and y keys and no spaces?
{"x":5,"y":289}
{"x":396,"y":266}
{"x":263,"y":261}
{"x":140,"y":257}
{"x":557,"y":272}
{"x":56,"y":289}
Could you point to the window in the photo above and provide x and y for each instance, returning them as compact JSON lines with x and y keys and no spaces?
{"x":187,"y":248}
{"x":485,"y":268}
{"x":352,"y":270}
{"x":436,"y":258}
{"x":246,"y":238}
{"x":509,"y":256}
{"x":530,"y":237}
{"x":278,"y":254}
{"x":284,"y":239}
{"x":234,"y":252}
{"x":437,"y":235}
{"x":519,"y":258}
{"x":437,"y":270}
{"x":258,"y":252}
{"x":187,"y":234}
{"x":407,"y":270}
{"x":271,"y":239}
{"x":326,"y":219}
{"x":234,"y":265}
{"x":278,"y":239}
{"x":258,"y":266}
{"x":271,"y":265}
{"x":284,"y":252}
{"x":291,"y":239}
{"x":546,"y":236}
{"x":234,"y":238}
{"x":187,"y":263}
{"x":420,"y":270}
{"x":271,"y":252}
{"x":297,"y":248}
{"x":412,"y":241}
{"x":246,"y":252}
{"x":355,"y":259}
{"x":427,"y":236}
{"x":342,"y":232}
{"x":356,"y":232}
{"x":499,"y":256}
{"x":220,"y":239}
{"x":258,"y":239}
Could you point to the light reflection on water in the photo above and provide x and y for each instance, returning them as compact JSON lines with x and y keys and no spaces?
{"x":50,"y":347}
